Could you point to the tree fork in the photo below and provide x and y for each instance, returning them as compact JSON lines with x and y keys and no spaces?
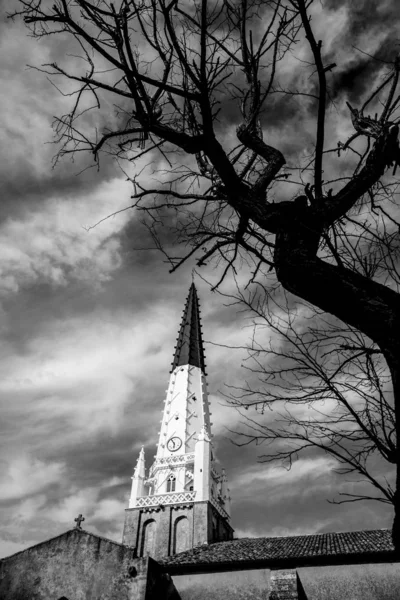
{"x":364,"y":304}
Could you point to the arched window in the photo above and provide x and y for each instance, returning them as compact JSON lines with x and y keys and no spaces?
{"x":171,"y":482}
{"x":181,"y":535}
{"x":148,"y":538}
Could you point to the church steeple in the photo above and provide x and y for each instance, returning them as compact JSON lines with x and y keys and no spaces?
{"x":184,"y":501}
{"x":189,"y":348}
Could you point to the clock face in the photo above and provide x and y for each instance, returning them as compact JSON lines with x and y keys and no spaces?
{"x":174,"y":444}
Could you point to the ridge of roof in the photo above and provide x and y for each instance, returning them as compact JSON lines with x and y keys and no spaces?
{"x":60,"y":535}
{"x":189,"y":347}
{"x":309,"y":535}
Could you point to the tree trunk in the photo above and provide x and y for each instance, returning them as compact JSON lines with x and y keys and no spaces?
{"x":393,"y":360}
{"x":367,"y":305}
{"x":396,"y":520}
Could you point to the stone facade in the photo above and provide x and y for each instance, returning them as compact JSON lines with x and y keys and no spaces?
{"x":80,"y":566}
{"x":203,"y":524}
{"x":284,"y":584}
{"x":369,"y":581}
{"x":249,"y":584}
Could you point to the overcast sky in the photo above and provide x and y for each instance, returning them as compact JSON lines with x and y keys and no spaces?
{"x":88,"y":324}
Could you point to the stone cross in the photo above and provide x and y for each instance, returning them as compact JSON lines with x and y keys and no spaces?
{"x":78,"y":521}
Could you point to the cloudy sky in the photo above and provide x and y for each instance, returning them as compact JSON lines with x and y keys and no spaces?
{"x":88,"y":322}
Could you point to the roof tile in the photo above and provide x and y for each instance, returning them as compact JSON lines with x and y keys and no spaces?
{"x":281,"y":548}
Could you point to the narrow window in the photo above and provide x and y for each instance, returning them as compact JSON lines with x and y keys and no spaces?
{"x":171,"y":482}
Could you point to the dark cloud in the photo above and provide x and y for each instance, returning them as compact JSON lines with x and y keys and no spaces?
{"x":24,"y":189}
{"x":366,"y":15}
{"x":366,"y":22}
{"x":353,"y":82}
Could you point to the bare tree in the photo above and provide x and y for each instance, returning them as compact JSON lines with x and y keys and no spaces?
{"x":323,"y":387}
{"x":180,"y":74}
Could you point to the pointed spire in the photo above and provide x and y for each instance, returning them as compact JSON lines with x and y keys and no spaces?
{"x":189,"y":347}
{"x":139,"y":475}
{"x":140,"y":466}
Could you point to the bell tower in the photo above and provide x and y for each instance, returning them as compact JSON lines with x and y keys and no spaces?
{"x":184,"y":500}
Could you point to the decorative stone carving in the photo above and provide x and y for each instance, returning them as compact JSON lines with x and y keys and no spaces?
{"x":174,"y":498}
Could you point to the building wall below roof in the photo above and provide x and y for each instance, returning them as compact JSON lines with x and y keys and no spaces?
{"x":355,"y":582}
{"x":78,"y":565}
{"x":378,"y":581}
{"x":235,"y":585}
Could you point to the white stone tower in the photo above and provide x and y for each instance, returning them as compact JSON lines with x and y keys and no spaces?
{"x":184,"y":501}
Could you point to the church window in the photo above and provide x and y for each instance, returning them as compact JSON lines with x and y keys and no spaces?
{"x":148,"y":538}
{"x":171,"y":482}
{"x":181,"y":535}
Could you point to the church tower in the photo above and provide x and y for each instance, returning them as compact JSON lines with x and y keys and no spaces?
{"x":184,"y":500}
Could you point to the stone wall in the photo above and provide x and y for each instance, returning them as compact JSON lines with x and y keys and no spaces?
{"x":358,"y":582}
{"x":199,"y":527}
{"x":81,"y":566}
{"x":235,"y":585}
{"x":165,"y":518}
{"x":284,"y":584}
{"x":379,"y":581}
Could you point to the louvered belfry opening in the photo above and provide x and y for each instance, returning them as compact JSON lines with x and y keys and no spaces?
{"x":189,"y":347}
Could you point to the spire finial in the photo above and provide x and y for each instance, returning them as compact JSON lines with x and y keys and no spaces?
{"x":189,"y":348}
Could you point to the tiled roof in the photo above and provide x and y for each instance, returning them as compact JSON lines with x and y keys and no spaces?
{"x":276,"y":549}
